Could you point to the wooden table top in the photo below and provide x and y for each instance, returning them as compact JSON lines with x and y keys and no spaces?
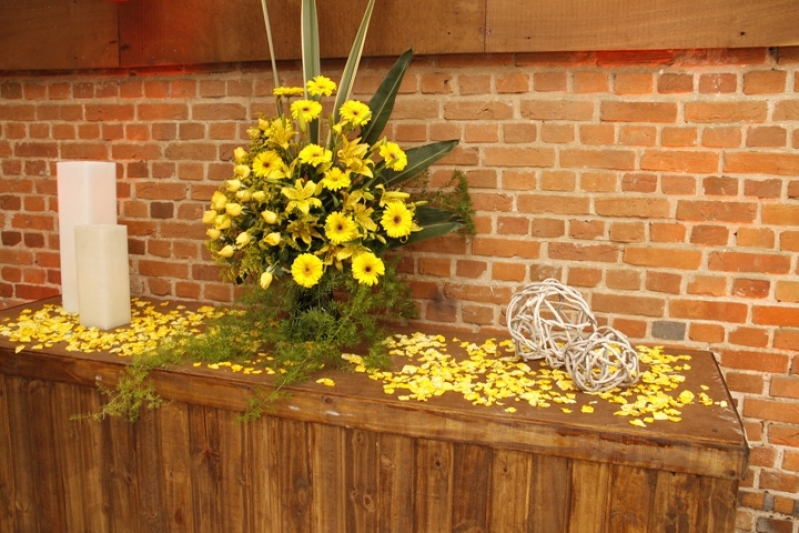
{"x":709,"y":439}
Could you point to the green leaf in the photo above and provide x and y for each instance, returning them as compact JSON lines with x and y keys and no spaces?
{"x":419,"y":159}
{"x":275,"y":78}
{"x":351,"y":68}
{"x":382,"y":103}
{"x":429,"y":232}
{"x":311,"y":63}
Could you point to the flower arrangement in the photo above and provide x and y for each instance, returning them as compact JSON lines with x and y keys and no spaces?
{"x":320,"y":189}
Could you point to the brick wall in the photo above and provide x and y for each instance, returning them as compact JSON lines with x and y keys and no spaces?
{"x":664,"y":185}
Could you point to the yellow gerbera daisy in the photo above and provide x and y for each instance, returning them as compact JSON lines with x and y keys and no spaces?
{"x":336,"y":179}
{"x":306,"y":110}
{"x":269,"y":165}
{"x":393,"y":155}
{"x":340,"y":228}
{"x":397,"y":220}
{"x":315,"y":155}
{"x":289,"y":91}
{"x":307,"y":270}
{"x":321,"y":86}
{"x":355,"y":112}
{"x":366,"y":267}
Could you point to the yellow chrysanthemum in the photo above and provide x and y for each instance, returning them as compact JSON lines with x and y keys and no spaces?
{"x":289,"y":91}
{"x":397,"y":220}
{"x":393,"y":155}
{"x":306,"y":270}
{"x":315,"y":155}
{"x":355,"y":112}
{"x":336,"y":179}
{"x":306,"y":110}
{"x":269,"y":165}
{"x":366,"y":267}
{"x":339,"y":228}
{"x":321,"y":86}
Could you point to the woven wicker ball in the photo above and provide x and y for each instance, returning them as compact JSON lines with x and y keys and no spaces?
{"x":551,"y":321}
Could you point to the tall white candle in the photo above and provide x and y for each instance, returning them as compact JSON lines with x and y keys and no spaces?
{"x":87,"y":194}
{"x":103,"y":275}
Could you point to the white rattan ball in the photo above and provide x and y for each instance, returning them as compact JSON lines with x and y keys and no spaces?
{"x":551,"y":321}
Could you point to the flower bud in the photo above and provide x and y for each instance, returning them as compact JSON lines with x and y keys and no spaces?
{"x":209,"y":217}
{"x":232,"y":209}
{"x":222,"y":222}
{"x":243,"y":238}
{"x":226,"y":252}
{"x":218,"y":200}
{"x":239,"y":154}
{"x":270,"y":217}
{"x":266,"y":280}
{"x":259,"y":196}
{"x":243,"y":171}
{"x":233,"y":185}
{"x":213,"y":233}
{"x":273,"y":239}
{"x":243,"y":195}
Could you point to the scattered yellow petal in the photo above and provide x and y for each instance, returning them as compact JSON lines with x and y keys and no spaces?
{"x":327,"y":382}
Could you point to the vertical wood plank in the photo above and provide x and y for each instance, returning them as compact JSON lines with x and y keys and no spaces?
{"x":148,"y":472}
{"x":92,"y":461}
{"x":510,"y":491}
{"x":50,"y":505}
{"x":19,"y":417}
{"x":433,"y":498}
{"x":675,"y":502}
{"x":8,"y":522}
{"x":232,"y":482}
{"x":118,"y":443}
{"x":550,"y":486}
{"x":395,"y":483}
{"x":292,"y":463}
{"x":68,"y":456}
{"x":262,"y":501}
{"x":362,"y":481}
{"x":631,"y":497}
{"x":471,"y":474}
{"x":716,"y":504}
{"x":589,"y":497}
{"x":176,"y":467}
{"x":206,"y":469}
{"x":329,"y":479}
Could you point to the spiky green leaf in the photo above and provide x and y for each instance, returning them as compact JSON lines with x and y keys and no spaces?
{"x":382,"y":103}
{"x":419,"y":159}
{"x":354,"y":59}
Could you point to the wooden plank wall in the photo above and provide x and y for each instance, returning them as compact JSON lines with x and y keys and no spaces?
{"x":192,"y":468}
{"x":84,"y":34}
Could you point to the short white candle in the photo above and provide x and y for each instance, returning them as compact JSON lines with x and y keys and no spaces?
{"x":103,"y":275}
{"x":87,"y":194}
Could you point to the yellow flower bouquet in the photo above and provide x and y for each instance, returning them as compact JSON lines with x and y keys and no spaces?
{"x":319,"y":187}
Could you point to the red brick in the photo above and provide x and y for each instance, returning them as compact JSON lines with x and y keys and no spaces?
{"x":436,"y":83}
{"x":752,"y":337}
{"x":474,"y":84}
{"x":767,"y":137}
{"x":784,"y":387}
{"x":678,"y":185}
{"x":551,"y":203}
{"x":558,"y":180}
{"x":710,"y":333}
{"x":791,"y":461}
{"x":557,"y":133}
{"x":787,"y":291}
{"x":549,"y":81}
{"x":584,"y":277}
{"x":218,"y":111}
{"x":519,"y":132}
{"x":679,"y":137}
{"x":757,"y":361}
{"x":762,"y":163}
{"x":547,"y":228}
{"x":773,"y":411}
{"x":750,"y":288}
{"x":784,"y":435}
{"x":663,"y":257}
{"x":789,"y":241}
{"x":632,"y":328}
{"x":680,"y":161}
{"x":518,"y":157}
{"x":518,"y":180}
{"x":597,"y":134}
{"x":663,"y":282}
{"x":513,"y":225}
{"x":709,"y":235}
{"x":639,"y":182}
{"x":749,"y":262}
{"x":715,"y":112}
{"x":491,"y":202}
{"x":490,"y":246}
{"x":109,"y":112}
{"x":638,"y":135}
{"x":667,"y":232}
{"x":627,"y":305}
{"x":478,"y":293}
{"x":557,"y":110}
{"x":508,"y":271}
{"x":482,"y":315}
{"x":598,"y":159}
{"x":781,"y":214}
{"x":191,"y":151}
{"x":786,"y":110}
{"x":638,"y":111}
{"x":763,"y":188}
{"x":603,"y":253}
{"x":633,"y":82}
{"x":479,"y":110}
{"x":708,"y":310}
{"x":748,"y":383}
{"x":718,"y":83}
{"x":722,"y":137}
{"x":590,"y":82}
{"x":435,"y":266}
{"x":764,"y":81}
{"x":478,"y":132}
{"x":586,"y":229}
{"x":674,"y":82}
{"x":627,"y":232}
{"x":625,"y":280}
{"x":708,"y":285}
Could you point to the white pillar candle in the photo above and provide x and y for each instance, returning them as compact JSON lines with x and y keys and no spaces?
{"x":87,"y":194}
{"x":103,"y":275}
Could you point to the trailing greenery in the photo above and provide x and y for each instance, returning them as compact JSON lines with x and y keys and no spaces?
{"x":336,"y":315}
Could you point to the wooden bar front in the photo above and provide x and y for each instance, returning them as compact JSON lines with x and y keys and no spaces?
{"x":347,"y":459}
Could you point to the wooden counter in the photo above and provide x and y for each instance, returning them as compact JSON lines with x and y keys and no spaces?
{"x":348,"y":458}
